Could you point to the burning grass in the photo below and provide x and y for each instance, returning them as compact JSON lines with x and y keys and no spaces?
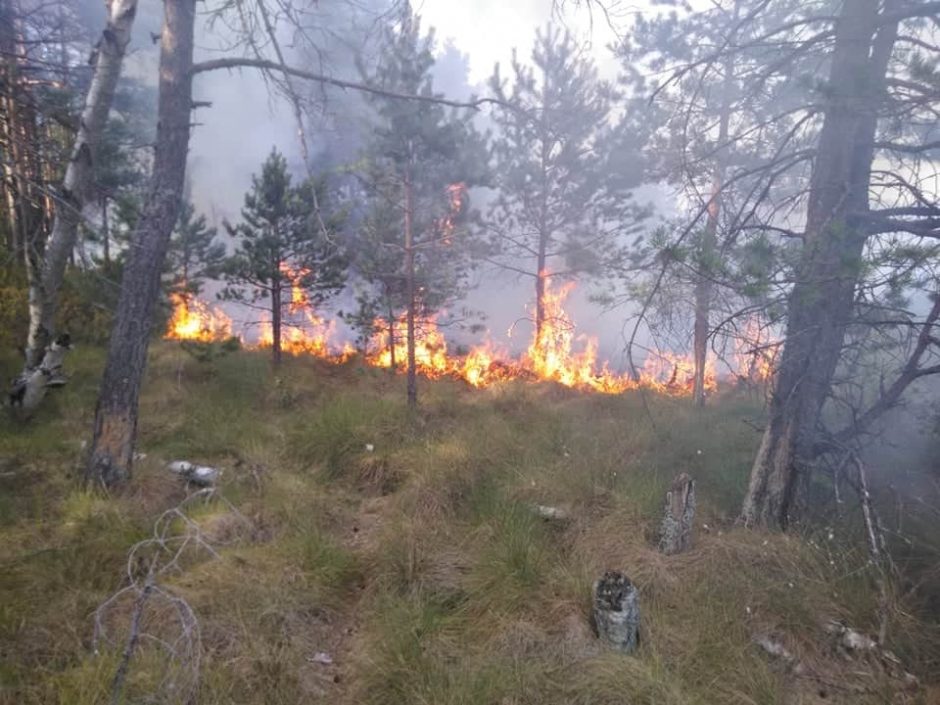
{"x":556,"y":353}
{"x":406,"y":550}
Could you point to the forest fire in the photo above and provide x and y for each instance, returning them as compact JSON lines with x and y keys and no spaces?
{"x":557,"y":353}
{"x":755,"y":352}
{"x":194,"y":320}
{"x":303,"y":332}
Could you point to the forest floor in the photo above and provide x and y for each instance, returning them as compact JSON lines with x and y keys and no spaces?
{"x":362,"y":555}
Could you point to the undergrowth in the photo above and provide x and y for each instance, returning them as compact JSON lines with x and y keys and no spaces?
{"x":395,"y":558}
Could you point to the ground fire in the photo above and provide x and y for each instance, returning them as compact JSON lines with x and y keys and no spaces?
{"x":559,"y":354}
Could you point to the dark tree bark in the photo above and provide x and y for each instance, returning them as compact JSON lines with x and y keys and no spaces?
{"x":116,"y":414}
{"x":821,"y":303}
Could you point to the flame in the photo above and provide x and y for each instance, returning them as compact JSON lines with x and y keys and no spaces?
{"x":755,"y":352}
{"x":556,"y":353}
{"x":675,"y":374}
{"x":431,"y":357}
{"x":455,"y":199}
{"x":551,"y":354}
{"x":303,"y":332}
{"x":194,"y":320}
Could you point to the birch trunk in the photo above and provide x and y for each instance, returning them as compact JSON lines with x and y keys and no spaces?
{"x":78,"y":184}
{"x":116,"y":414}
{"x":821,"y":303}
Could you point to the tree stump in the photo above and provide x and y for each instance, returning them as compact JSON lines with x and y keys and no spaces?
{"x":29,"y":389}
{"x":617,"y":611}
{"x":676,"y":531}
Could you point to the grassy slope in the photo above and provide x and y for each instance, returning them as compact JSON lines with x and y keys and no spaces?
{"x":418,"y":566}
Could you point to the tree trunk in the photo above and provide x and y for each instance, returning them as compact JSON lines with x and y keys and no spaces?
{"x":703,"y":286}
{"x":821,"y":303}
{"x":276,"y":316}
{"x":116,"y":413}
{"x":410,"y":291}
{"x":540,"y":280}
{"x":21,"y":160}
{"x":78,"y":184}
{"x":105,"y":232}
{"x":546,"y":140}
{"x":392,"y":365}
{"x":8,"y":136}
{"x":703,"y":297}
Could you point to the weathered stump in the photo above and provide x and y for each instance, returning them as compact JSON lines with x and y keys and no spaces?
{"x":676,"y":531}
{"x":617,"y":611}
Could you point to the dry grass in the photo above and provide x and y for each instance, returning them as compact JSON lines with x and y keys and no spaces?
{"x":406,"y":548}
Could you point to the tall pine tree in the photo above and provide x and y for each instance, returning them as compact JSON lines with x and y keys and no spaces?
{"x":561,"y":198}
{"x":417,"y":169}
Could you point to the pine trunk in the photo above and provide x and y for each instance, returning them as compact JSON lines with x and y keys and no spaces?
{"x":822,"y":300}
{"x":410,"y":292}
{"x":276,"y":317}
{"x":78,"y":185}
{"x":703,"y":286}
{"x":540,"y":280}
{"x":116,"y":414}
{"x":392,"y":364}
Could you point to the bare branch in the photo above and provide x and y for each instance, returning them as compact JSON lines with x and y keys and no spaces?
{"x":265,"y":65}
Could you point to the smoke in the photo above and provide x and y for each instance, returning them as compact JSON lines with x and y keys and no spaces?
{"x":248,"y":118}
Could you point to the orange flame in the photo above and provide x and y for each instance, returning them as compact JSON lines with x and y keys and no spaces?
{"x":430,"y":347}
{"x":303,"y":332}
{"x":755,"y":352}
{"x":194,"y":320}
{"x":447,"y":224}
{"x":556,"y":353}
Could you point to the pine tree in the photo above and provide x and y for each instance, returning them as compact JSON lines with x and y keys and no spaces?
{"x":707,"y":130}
{"x":194,"y":254}
{"x":560,"y":202}
{"x":283,"y":242}
{"x":417,"y":169}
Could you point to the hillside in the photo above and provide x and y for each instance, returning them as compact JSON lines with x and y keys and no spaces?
{"x":356,"y":555}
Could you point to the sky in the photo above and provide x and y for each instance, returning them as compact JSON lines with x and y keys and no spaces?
{"x":488,"y":30}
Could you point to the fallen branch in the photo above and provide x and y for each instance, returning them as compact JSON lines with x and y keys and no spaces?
{"x":876,"y":547}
